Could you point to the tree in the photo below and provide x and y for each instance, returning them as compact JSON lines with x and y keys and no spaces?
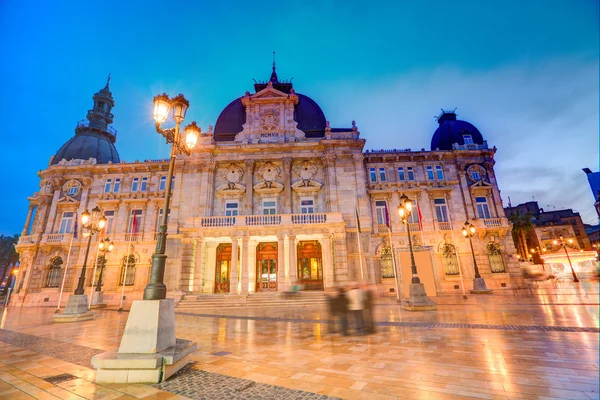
{"x":522,"y":225}
{"x":8,"y":256}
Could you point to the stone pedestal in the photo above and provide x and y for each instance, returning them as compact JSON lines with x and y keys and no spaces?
{"x":75,"y":310}
{"x":418,"y":300}
{"x":97,"y":300}
{"x":149,"y":351}
{"x":479,"y":287}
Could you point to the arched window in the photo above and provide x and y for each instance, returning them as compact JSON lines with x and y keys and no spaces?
{"x":387,"y":266}
{"x":127,"y":275}
{"x":495,"y":256}
{"x":54,"y":272}
{"x":449,"y":259}
{"x":100,"y":264}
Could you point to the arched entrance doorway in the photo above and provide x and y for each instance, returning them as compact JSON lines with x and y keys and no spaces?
{"x":222,"y":268}
{"x":310,"y":265}
{"x":266,"y":267}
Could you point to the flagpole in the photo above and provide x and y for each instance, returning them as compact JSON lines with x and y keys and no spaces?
{"x":125,"y":272}
{"x":420,"y":221}
{"x":462,"y":283}
{"x":94,"y":273}
{"x":394,"y":263}
{"x":62,"y":286}
{"x":362,"y":275}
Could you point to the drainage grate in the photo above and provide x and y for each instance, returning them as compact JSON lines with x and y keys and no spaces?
{"x":56,"y":379}
{"x":221,"y":353}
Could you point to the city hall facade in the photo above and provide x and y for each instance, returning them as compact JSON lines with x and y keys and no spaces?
{"x":273,"y":195}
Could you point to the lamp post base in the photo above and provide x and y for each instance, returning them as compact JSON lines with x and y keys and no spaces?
{"x":97,"y":300}
{"x":149,"y":351}
{"x":417,"y":299}
{"x":75,"y":310}
{"x":479,"y":287}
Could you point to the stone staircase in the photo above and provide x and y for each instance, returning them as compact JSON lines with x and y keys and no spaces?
{"x":260,"y":299}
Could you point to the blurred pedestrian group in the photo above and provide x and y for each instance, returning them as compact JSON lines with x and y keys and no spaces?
{"x":351,"y":310}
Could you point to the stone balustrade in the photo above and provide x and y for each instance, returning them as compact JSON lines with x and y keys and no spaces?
{"x":267,"y":220}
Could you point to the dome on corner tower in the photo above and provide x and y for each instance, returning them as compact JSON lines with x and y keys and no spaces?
{"x":452,"y":130}
{"x":94,"y":138}
{"x":307,"y":113}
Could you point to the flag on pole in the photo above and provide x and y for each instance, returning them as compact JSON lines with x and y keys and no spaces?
{"x":387,"y":216}
{"x":357,"y":218}
{"x":134,"y":225}
{"x":420,"y":217}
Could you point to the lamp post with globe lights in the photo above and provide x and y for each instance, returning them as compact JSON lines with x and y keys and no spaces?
{"x":105,"y":246}
{"x":149,"y":334}
{"x":479,"y":286}
{"x":417,"y":299}
{"x":563,"y":243}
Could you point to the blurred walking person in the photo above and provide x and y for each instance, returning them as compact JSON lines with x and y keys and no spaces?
{"x":331,"y":310}
{"x":356,"y":306}
{"x":341,"y":310}
{"x":368,"y":316}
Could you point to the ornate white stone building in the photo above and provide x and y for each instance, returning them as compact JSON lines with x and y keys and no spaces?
{"x":269,"y":197}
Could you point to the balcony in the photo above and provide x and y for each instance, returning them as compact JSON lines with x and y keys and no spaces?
{"x":56,"y":238}
{"x":267,"y":220}
{"x":494,"y":222}
{"x":444,"y":226}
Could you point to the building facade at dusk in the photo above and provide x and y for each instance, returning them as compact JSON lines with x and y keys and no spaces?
{"x":272,"y":195}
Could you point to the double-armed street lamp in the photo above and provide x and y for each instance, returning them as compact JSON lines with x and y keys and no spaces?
{"x":156,"y":289}
{"x":563,"y":243}
{"x":105,"y":246}
{"x":479,"y":286}
{"x":92,"y":223}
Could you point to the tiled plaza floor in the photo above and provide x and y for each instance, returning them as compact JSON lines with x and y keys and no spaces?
{"x":542,"y":344}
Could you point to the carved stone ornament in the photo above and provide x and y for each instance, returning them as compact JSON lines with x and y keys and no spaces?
{"x":306,"y":171}
{"x":269,"y":119}
{"x":232,"y":174}
{"x":475,"y":168}
{"x":269,"y":172}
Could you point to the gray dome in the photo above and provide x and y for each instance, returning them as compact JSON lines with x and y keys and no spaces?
{"x":87,"y":145}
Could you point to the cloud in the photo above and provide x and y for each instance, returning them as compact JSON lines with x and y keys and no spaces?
{"x":542,"y":117}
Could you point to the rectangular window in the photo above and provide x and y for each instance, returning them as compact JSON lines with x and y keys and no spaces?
{"x":108,"y":186}
{"x":468,"y":139}
{"x":163,"y":183}
{"x":117,"y":185}
{"x":135,"y":184}
{"x":135,"y":221}
{"x":110,"y":218}
{"x":231,"y":208}
{"x":144,"y":185}
{"x":430,"y":173}
{"x":66,"y":224}
{"x":372,"y":175}
{"x":401,"y":176}
{"x":439,"y":172}
{"x":73,"y":190}
{"x":269,"y":206}
{"x":441,"y":211}
{"x":172,"y":182}
{"x":160,"y":217}
{"x":482,"y":207}
{"x":307,"y":205}
{"x":476,"y":176}
{"x":382,"y":176}
{"x":411,"y":173}
{"x":380,"y":211}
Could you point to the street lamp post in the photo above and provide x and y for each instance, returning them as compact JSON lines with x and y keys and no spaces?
{"x":156,"y":289}
{"x":77,"y":306}
{"x":417,"y":299}
{"x":105,"y":246}
{"x":562,"y":243}
{"x":479,"y":286}
{"x":149,"y":335}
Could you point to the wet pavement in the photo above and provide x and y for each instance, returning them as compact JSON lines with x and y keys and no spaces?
{"x":541,"y":343}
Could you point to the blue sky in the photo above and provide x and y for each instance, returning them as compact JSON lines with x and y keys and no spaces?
{"x":524,"y":72}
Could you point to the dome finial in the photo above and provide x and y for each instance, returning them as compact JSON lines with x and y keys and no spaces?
{"x":108,"y":80}
{"x":274,"y":78}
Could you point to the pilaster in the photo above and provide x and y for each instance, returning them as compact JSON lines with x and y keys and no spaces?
{"x":287,"y":185}
{"x":249,"y":180}
{"x":233,"y":274}
{"x":245,"y":262}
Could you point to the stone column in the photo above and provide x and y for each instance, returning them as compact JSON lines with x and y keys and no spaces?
{"x":41,"y":217}
{"x":287,"y":185}
{"x":210,"y":191}
{"x":27,"y":221}
{"x":293,"y":258}
{"x":53,"y":208}
{"x":341,"y":256}
{"x":233,"y":274}
{"x":252,"y":265}
{"x":245,"y":275}
{"x":249,"y":180}
{"x":209,"y":271}
{"x":188,"y":257}
{"x":332,"y":201}
{"x":200,"y":265}
{"x":327,"y":261}
{"x":282,"y":284}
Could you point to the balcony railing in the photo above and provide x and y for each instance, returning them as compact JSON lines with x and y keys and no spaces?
{"x":444,"y":226}
{"x":493,"y":222}
{"x":133,"y":237}
{"x":270,"y":219}
{"x":414,"y":227}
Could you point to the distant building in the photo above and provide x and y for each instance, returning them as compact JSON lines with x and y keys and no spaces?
{"x":269,"y":198}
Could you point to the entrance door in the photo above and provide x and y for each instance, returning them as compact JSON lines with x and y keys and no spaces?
{"x":266,"y":267}
{"x":222,"y":267}
{"x":310,"y":265}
